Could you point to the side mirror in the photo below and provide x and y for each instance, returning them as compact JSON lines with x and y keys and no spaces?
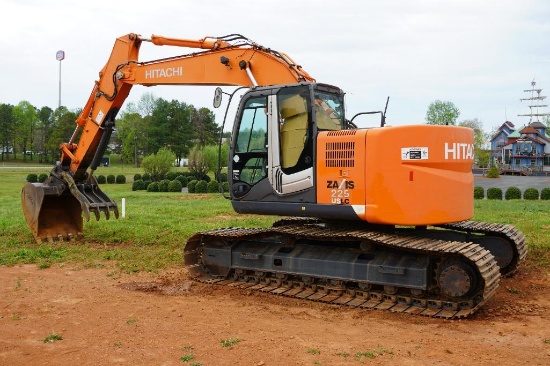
{"x":217,"y":97}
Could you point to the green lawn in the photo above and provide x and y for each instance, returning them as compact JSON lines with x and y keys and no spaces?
{"x":157,"y":225}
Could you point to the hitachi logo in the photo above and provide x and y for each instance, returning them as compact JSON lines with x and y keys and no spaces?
{"x":164,"y":73}
{"x":458,"y":151}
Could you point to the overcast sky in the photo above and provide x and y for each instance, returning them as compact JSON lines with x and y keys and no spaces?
{"x":478,"y":54}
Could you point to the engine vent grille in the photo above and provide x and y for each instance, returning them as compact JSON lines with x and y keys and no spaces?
{"x":340,"y":155}
{"x":342,"y":133}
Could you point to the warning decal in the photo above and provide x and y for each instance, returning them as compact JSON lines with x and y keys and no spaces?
{"x":414,"y":153}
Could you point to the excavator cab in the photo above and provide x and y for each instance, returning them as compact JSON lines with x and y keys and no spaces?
{"x":273,"y":143}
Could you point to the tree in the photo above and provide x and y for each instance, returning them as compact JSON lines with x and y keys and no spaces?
{"x":44,"y":131}
{"x":64,"y":128}
{"x":480,"y":137}
{"x":197,"y":164}
{"x":7,"y":129}
{"x":205,"y":127}
{"x":210,"y":155}
{"x":157,"y":165}
{"x":442,"y":113}
{"x":26,"y":118}
{"x":130,"y":136}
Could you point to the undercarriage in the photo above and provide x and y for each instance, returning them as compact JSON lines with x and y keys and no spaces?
{"x":448,"y":271}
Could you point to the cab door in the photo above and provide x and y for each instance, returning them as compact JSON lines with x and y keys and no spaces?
{"x":290,"y":161}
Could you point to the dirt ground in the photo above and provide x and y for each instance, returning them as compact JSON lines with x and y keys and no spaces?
{"x":166,"y":319}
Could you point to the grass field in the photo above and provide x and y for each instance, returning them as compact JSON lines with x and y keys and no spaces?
{"x":157,"y":225}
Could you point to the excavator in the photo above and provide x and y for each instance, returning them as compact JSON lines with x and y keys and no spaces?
{"x":377,"y":218}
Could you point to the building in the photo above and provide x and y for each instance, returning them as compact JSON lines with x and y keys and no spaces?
{"x":524,"y":150}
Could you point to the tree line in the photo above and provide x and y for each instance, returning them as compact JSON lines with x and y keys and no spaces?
{"x":141,"y":129}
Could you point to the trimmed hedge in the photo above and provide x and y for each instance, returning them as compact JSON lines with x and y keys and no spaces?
{"x":545,"y":194}
{"x":171,"y":175}
{"x":32,"y":178}
{"x":183,"y":179}
{"x":494,"y":193}
{"x":479,"y":192}
{"x":137,"y":177}
{"x":213,"y":187}
{"x":42,"y":177}
{"x":531,"y":194}
{"x":221,"y":177}
{"x":153,"y":187}
{"x":175,"y":186}
{"x":139,"y":185}
{"x":101,"y":179}
{"x":201,"y":186}
{"x":111,"y":179}
{"x":191,"y":186}
{"x":512,"y":193}
{"x":120,"y":179}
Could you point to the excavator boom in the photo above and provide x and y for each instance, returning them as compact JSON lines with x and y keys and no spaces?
{"x":54,"y":209}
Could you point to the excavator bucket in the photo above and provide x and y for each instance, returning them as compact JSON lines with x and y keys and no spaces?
{"x":51,"y":214}
{"x":54,"y":209}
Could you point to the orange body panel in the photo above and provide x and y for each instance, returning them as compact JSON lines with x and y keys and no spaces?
{"x":405,"y":175}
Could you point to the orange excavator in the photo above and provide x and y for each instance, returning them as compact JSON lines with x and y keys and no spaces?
{"x":375,"y":217}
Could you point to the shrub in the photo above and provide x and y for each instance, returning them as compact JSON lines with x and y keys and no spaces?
{"x":225,"y":186}
{"x":221,"y":177}
{"x":146,"y":177}
{"x":531,"y":194}
{"x":171,"y":175}
{"x":183,"y":180}
{"x":175,"y":186}
{"x":101,"y":179}
{"x":493,"y":172}
{"x":153,"y":187}
{"x":111,"y":178}
{"x":512,"y":193}
{"x":32,"y":178}
{"x":494,"y":193}
{"x":42,"y":177}
{"x":157,"y":165}
{"x":545,"y":194}
{"x":204,"y":177}
{"x":191,"y":186}
{"x":163,"y":185}
{"x":120,"y":179}
{"x":213,"y":187}
{"x":137,"y":177}
{"x":479,"y":193}
{"x":201,"y":186}
{"x":139,"y":185}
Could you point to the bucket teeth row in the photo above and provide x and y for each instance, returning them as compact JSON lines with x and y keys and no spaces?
{"x":61,"y":238}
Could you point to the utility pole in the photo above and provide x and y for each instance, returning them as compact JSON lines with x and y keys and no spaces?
{"x":59,"y":56}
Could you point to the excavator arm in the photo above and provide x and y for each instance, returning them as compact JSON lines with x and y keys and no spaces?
{"x":230,"y":60}
{"x":54,"y":209}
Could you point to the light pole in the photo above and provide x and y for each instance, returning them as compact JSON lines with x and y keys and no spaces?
{"x":60,"y":56}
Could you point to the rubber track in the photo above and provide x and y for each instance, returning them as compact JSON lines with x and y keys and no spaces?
{"x":512,"y":233}
{"x":481,"y":258}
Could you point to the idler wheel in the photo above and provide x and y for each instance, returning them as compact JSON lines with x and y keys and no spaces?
{"x":456,"y":279}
